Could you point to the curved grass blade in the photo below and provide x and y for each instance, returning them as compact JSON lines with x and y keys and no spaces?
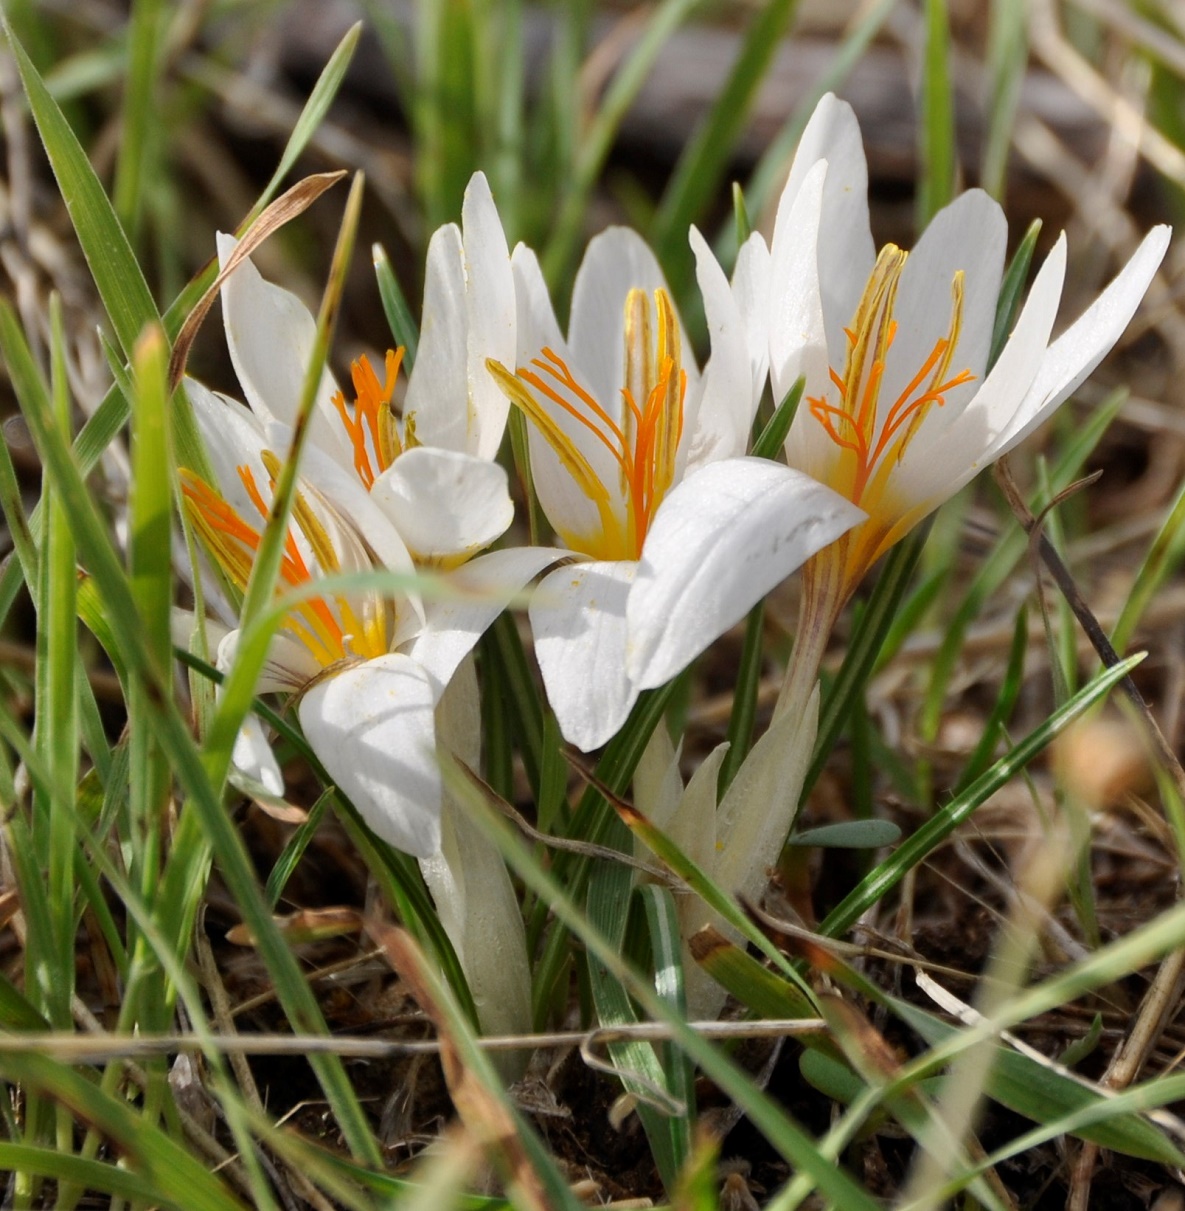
{"x":705,"y":157}
{"x":769,"y":1118}
{"x":936,"y":129}
{"x":179,"y":1179}
{"x":914,"y":849}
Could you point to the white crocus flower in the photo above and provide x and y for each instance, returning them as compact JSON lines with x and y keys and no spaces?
{"x":900,"y":409}
{"x":636,"y":461}
{"x":369,"y":668}
{"x":432,"y":478}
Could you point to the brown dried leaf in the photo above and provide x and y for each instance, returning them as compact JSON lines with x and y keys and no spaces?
{"x":307,"y":925}
{"x":284,"y":209}
{"x":482,"y":1112}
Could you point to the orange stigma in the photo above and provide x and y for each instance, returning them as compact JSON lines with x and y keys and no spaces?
{"x":372,"y":417}
{"x":330,"y":628}
{"x":645,"y":442}
{"x":876,"y":442}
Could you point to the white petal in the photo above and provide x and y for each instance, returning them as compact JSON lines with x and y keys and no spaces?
{"x":1076,"y":353}
{"x":797,"y":337}
{"x":438,"y":390}
{"x":719,"y":542}
{"x":846,"y":252}
{"x":445,"y":505}
{"x":968,"y":235}
{"x":725,"y":409}
{"x":252,"y":754}
{"x":567,"y":507}
{"x":490,"y":311}
{"x":344,"y":491}
{"x":949,"y":450}
{"x":578,"y":617}
{"x":618,"y":260}
{"x":481,"y":590}
{"x":372,"y":728}
{"x":234,"y":437}
{"x":270,"y":334}
{"x":751,"y":284}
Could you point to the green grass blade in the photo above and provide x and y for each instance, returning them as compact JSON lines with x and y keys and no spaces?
{"x":138,"y":114}
{"x":665,"y":1117}
{"x":292,"y":853}
{"x":744,"y":699}
{"x":993,"y":729}
{"x":117,"y":276}
{"x":1164,"y":557}
{"x":312,"y":114}
{"x":179,"y":1179}
{"x":399,"y":317}
{"x":598,"y":138}
{"x":57,"y":703}
{"x":768,"y":1118}
{"x":936,"y":129}
{"x":89,"y":1174}
{"x":915,"y":848}
{"x":590,"y":822}
{"x":1007,"y":60}
{"x":1012,"y":289}
{"x":705,"y":158}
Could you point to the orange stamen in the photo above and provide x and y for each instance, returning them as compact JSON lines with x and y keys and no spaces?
{"x":372,"y":402}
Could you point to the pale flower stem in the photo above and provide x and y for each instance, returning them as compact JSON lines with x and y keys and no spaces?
{"x":823,"y":597}
{"x":471,"y":888}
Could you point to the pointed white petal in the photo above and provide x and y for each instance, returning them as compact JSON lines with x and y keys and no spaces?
{"x":1075,"y":354}
{"x":724,"y":414}
{"x":720,"y":541}
{"x":344,"y":491}
{"x":252,"y":754}
{"x":618,"y":260}
{"x":658,"y":784}
{"x":751,"y":285}
{"x":437,"y":392}
{"x":445,"y":505}
{"x":797,"y":337}
{"x":490,"y":313}
{"x":846,"y":252}
{"x":693,"y":830}
{"x":372,"y":728}
{"x":479,"y":591}
{"x":949,"y":450}
{"x":578,"y":618}
{"x":234,"y":437}
{"x":923,"y":310}
{"x":270,"y":335}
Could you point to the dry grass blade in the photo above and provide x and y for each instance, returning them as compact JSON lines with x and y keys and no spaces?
{"x":483,"y":1114}
{"x":284,"y":209}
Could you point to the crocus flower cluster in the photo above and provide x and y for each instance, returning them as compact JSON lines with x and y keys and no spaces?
{"x":667,"y":530}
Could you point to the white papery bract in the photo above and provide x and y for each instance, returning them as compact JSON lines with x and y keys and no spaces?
{"x":637,"y":460}
{"x":899,"y":409}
